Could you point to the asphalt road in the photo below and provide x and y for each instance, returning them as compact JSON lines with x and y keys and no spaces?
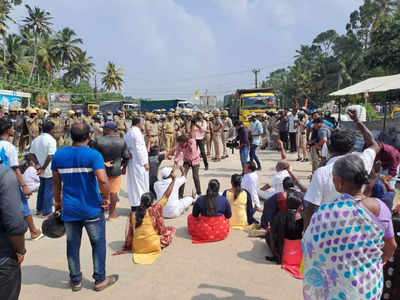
{"x":231,"y":269}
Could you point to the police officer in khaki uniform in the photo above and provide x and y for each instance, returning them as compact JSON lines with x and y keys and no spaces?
{"x":59,"y":125}
{"x":78,"y":117}
{"x":216,"y":133}
{"x":87,"y":119}
{"x":178,"y":125}
{"x":169,"y":129}
{"x":161,"y":121}
{"x":147,"y":128}
{"x":119,"y":119}
{"x":97,"y":127}
{"x":226,"y":128}
{"x":33,"y":124}
{"x":155,"y":138}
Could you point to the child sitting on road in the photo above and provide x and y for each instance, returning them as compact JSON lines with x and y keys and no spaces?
{"x":30,"y":167}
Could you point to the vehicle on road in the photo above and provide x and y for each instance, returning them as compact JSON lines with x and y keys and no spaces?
{"x":176,"y":104}
{"x":242,"y":103}
{"x":92,"y":108}
{"x":114,"y":106}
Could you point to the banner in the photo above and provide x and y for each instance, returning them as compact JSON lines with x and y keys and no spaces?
{"x":7,"y":101}
{"x":61,"y":101}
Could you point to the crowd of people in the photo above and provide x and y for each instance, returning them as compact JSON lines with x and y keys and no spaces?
{"x":337,"y":234}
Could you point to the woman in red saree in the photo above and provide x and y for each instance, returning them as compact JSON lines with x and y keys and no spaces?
{"x":209,"y":221}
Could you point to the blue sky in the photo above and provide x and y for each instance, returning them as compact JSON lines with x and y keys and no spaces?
{"x":170,"y":48}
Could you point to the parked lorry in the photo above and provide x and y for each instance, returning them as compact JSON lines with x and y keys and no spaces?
{"x":91,"y":108}
{"x":245,"y":101}
{"x":177,"y":104}
{"x":114,"y":106}
{"x":128,"y":108}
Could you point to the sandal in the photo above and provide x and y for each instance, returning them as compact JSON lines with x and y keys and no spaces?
{"x":76,"y":287}
{"x":38,"y":237}
{"x":110,"y":281}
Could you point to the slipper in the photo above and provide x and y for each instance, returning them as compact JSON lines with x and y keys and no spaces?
{"x":76,"y":287}
{"x":111,"y":280}
{"x":41,"y":235}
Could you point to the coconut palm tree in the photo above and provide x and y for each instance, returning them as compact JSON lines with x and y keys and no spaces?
{"x":81,"y":68}
{"x":16,"y":60}
{"x":112,"y":77}
{"x":65,"y":46}
{"x":39,"y":22}
{"x":5,"y":10}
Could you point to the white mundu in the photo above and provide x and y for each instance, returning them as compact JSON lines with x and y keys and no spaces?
{"x":138,"y":177}
{"x":175,"y":206}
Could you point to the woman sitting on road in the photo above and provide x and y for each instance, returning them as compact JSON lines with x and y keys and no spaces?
{"x":241,"y":204}
{"x":209,"y":221}
{"x":284,"y":236}
{"x":277,"y":203}
{"x":149,"y":231}
{"x":348,"y":241}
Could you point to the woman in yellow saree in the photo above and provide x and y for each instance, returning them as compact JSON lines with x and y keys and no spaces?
{"x":241,"y":205}
{"x":150,"y":234}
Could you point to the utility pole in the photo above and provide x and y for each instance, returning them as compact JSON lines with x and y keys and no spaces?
{"x":95,"y":87}
{"x":256,"y":71}
{"x":207,"y":99}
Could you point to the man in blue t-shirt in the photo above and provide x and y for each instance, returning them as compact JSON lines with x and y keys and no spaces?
{"x":79,"y":173}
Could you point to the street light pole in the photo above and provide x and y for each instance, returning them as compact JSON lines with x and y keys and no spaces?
{"x":256,"y":71}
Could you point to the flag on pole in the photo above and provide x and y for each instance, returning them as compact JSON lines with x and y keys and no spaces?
{"x":196,"y":95}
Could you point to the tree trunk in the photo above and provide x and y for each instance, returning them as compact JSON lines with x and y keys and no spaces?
{"x":34,"y":59}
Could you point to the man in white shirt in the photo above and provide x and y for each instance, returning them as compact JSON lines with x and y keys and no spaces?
{"x":138,"y":166}
{"x":44,"y":147}
{"x":250,"y":183}
{"x":275,"y":184}
{"x":322,"y":189}
{"x":175,"y":206}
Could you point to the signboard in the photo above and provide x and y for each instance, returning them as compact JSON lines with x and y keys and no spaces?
{"x":61,"y":101}
{"x":8,"y":102}
{"x":12,"y":99}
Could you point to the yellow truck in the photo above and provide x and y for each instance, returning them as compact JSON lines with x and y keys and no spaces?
{"x":242,"y":103}
{"x":93,"y":109}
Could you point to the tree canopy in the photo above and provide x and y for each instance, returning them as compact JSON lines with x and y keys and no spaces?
{"x":369,"y":47}
{"x":39,"y":60}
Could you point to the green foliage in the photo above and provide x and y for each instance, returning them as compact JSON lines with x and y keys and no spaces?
{"x":112,"y":77}
{"x":372,"y":115}
{"x":40,"y":60}
{"x":370,"y":47}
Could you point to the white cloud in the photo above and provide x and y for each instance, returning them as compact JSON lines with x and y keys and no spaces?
{"x":254,"y":12}
{"x":284,"y":12}
{"x":155,"y":40}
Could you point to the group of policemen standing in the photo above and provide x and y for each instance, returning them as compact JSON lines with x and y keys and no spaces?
{"x":215,"y":130}
{"x":27,"y":124}
{"x":161,"y":128}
